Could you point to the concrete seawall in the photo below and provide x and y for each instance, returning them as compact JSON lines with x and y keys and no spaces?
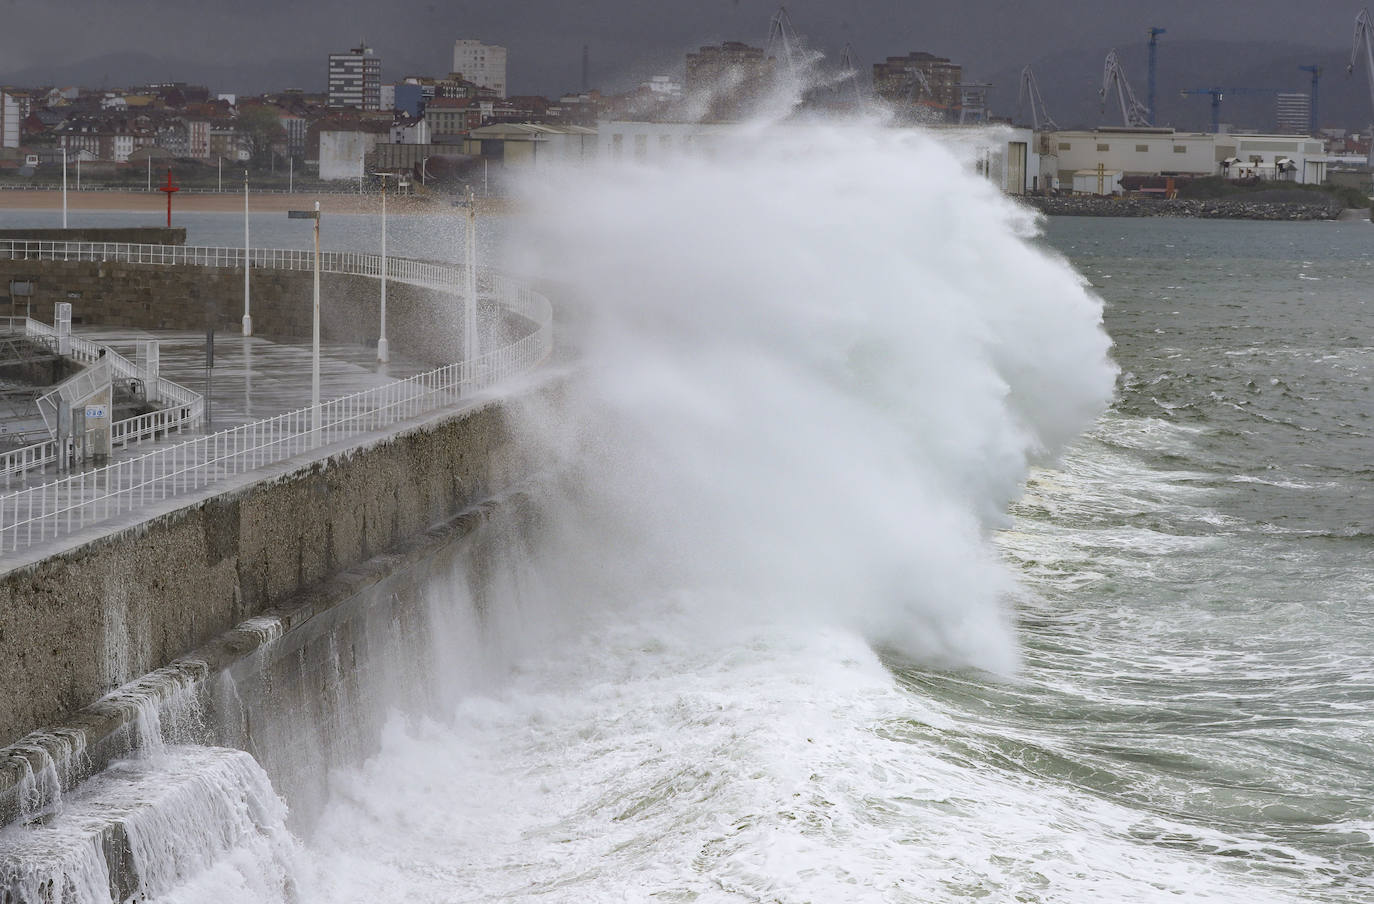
{"x":421,"y":324}
{"x":304,"y":686}
{"x":150,"y":235}
{"x":78,"y":624}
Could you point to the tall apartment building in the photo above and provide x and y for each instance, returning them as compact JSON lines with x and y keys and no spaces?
{"x":728,"y":77}
{"x":481,"y":64}
{"x":9,"y":121}
{"x":355,"y":79}
{"x":937,"y":85}
{"x":1294,"y":113}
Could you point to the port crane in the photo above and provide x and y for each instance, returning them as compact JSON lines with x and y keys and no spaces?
{"x":849,"y":71}
{"x":1316,"y":81}
{"x":1364,"y":35}
{"x":919,"y":83}
{"x":781,"y":35}
{"x":1133,"y":113}
{"x":1150,"y":88}
{"x":1030,"y":89}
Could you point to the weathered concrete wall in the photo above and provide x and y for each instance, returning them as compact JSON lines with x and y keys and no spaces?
{"x":421,"y":325}
{"x":79,"y":624}
{"x":305,"y":688}
{"x":137,"y":235}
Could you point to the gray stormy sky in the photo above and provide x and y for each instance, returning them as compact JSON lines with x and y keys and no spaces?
{"x":628,"y":39}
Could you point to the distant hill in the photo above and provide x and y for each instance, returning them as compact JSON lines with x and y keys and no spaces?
{"x":1070,"y":81}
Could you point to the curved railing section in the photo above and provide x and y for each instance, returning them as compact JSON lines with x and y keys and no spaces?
{"x":63,"y":506}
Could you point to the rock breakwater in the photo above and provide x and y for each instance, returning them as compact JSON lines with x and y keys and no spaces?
{"x":1216,"y":209}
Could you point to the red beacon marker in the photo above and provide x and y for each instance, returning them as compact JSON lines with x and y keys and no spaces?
{"x":169,"y":188}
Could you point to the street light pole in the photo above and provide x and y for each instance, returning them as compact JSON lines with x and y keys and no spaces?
{"x":315,"y":316}
{"x":383,"y":351}
{"x":315,"y":333}
{"x":470,"y":347}
{"x":247,"y":315}
{"x":221,"y":174}
{"x":64,"y":186}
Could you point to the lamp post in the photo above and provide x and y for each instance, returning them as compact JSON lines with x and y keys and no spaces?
{"x":315,"y":351}
{"x":470,"y":345}
{"x":64,"y":186}
{"x":423,"y":166}
{"x":383,"y":352}
{"x":221,"y":174}
{"x":290,"y":175}
{"x":247,"y":316}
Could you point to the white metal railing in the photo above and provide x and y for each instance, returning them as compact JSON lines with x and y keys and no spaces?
{"x":35,"y":457}
{"x":183,"y":408}
{"x":348,"y":262}
{"x":71,"y":503}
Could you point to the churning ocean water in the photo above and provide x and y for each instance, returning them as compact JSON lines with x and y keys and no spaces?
{"x":891,"y":552}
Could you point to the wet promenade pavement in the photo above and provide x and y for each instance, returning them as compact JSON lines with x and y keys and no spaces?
{"x":254,"y":378}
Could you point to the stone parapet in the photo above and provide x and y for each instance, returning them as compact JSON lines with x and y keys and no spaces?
{"x":133,"y":235}
{"x":421,"y":324}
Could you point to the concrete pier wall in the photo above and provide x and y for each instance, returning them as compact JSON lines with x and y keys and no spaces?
{"x":421,"y":325}
{"x":133,"y":235}
{"x":79,"y":624}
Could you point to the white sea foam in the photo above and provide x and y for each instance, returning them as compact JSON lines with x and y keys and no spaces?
{"x":817,"y":366}
{"x":657,"y":758}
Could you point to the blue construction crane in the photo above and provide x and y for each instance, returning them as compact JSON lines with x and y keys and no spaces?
{"x":1316,"y":72}
{"x":1154,"y":47}
{"x":1217,"y":94}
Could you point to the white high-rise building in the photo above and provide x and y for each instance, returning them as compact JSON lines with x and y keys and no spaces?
{"x":481,"y":64}
{"x":1294,"y":113}
{"x":355,"y":79}
{"x":9,"y":121}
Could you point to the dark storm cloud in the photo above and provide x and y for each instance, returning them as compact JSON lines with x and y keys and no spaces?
{"x":628,"y":39}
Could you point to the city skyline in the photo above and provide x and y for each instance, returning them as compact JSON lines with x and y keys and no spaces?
{"x":627,"y":42}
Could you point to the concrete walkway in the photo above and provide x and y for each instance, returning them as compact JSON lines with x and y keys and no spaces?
{"x":254,"y":378}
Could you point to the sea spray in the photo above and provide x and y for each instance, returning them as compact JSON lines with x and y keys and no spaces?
{"x":809,"y":374}
{"x":815,"y":363}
